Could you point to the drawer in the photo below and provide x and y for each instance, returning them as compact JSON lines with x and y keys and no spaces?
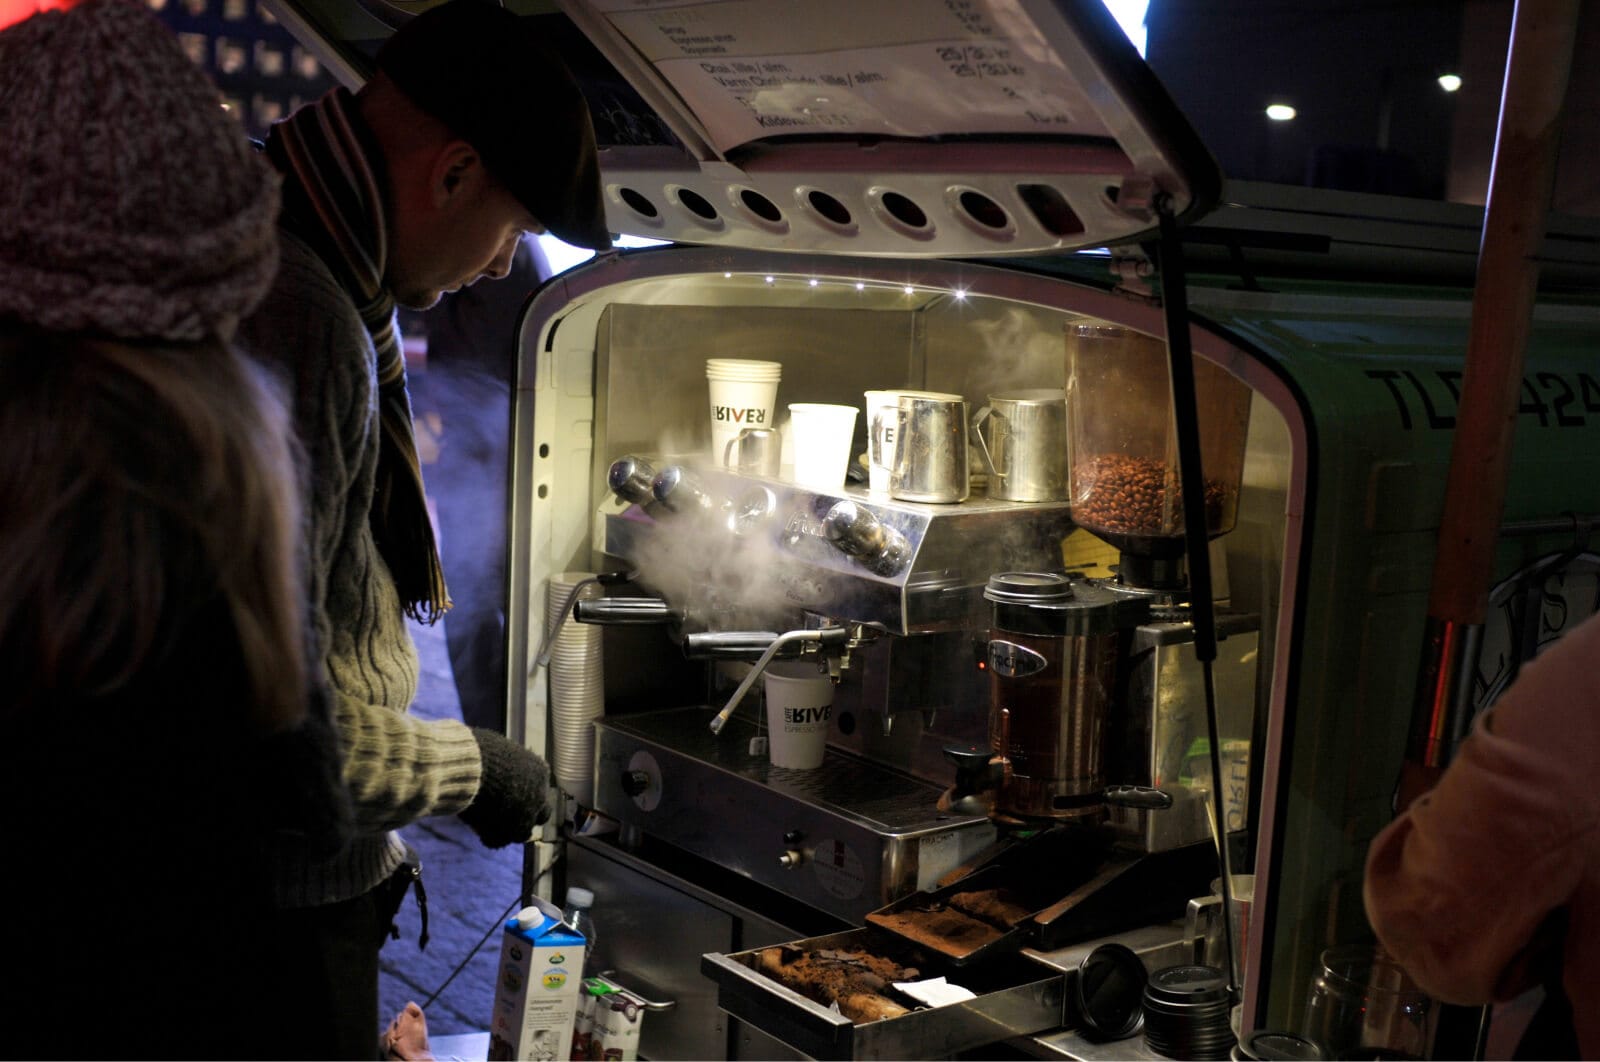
{"x":1016,"y":996}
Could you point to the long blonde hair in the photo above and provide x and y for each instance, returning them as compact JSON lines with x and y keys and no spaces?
{"x":146,"y":490}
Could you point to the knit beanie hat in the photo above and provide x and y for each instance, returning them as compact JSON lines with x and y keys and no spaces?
{"x":131,"y":203}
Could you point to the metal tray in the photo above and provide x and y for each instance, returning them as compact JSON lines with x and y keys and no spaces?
{"x":1007,"y":942}
{"x":1016,"y":996}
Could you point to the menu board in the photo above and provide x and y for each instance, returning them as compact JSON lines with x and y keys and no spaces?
{"x":752,"y":69}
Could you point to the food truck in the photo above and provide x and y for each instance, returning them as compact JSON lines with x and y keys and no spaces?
{"x":1047,"y":713}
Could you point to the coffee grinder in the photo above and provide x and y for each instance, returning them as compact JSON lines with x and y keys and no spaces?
{"x":1098,"y":735}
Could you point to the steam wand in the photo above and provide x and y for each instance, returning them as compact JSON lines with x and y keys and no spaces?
{"x":604,"y":579}
{"x":822,"y":637}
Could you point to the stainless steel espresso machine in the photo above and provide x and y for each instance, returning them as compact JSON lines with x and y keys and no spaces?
{"x":998,"y":720}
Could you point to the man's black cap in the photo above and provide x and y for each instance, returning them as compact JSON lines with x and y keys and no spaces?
{"x":489,"y":76}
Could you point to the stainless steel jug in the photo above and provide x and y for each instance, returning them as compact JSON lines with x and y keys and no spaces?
{"x":930,"y":448}
{"x":1026,"y":449}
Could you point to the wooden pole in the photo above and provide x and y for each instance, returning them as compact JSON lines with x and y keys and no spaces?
{"x":1538,"y":62}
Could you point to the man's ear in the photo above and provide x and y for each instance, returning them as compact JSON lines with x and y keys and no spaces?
{"x":456,"y":168}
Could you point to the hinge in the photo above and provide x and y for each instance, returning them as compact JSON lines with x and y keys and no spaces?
{"x":1132,"y":268}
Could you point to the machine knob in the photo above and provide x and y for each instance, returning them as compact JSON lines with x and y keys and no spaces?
{"x":853,"y":529}
{"x":856,"y":532}
{"x":793,"y":837}
{"x":630,"y":478}
{"x":791,"y":859}
{"x":634,"y":783}
{"x":678,"y":491}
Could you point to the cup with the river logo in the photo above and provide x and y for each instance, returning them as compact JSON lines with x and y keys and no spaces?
{"x":744,"y":394}
{"x":799,"y":695}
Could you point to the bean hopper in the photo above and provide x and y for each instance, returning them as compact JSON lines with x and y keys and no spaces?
{"x":1123,"y":451}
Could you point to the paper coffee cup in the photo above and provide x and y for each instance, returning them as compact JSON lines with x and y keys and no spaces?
{"x":744,"y":394}
{"x":799,"y":697}
{"x":822,"y":435}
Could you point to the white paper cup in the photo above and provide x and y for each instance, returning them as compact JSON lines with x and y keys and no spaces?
{"x":880,"y":407}
{"x":822,"y":434}
{"x":799,"y":698}
{"x":744,"y":394}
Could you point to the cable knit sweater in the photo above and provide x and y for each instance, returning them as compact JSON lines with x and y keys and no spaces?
{"x":1459,"y":886}
{"x":399,"y":768}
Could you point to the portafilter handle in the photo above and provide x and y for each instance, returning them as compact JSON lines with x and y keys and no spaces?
{"x":624,"y":611}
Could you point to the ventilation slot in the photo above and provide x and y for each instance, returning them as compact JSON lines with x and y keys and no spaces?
{"x":696,"y":204}
{"x":984,"y":211}
{"x":760,"y":206}
{"x":904,"y":210}
{"x":828,"y":207}
{"x":639,"y":204}
{"x":1051,"y":209}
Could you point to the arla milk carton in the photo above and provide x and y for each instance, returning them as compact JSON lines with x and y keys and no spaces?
{"x":536,"y":987}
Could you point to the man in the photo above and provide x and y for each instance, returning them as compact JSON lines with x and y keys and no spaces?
{"x":470,"y":134}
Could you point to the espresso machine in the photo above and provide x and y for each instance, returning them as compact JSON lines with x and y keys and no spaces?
{"x":990,"y":708}
{"x":738,"y":570}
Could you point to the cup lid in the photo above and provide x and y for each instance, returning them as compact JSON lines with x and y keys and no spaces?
{"x":1265,"y":1044}
{"x":1029,"y":587}
{"x":1187,"y":984}
{"x":1109,"y":991}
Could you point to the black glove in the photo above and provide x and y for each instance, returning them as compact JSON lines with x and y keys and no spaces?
{"x":511,"y":800}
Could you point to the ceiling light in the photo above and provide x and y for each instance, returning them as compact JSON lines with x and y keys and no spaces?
{"x":1449,"y":82}
{"x":1280,"y":112}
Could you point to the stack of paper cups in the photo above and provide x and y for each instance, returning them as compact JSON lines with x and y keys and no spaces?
{"x":744,"y":394}
{"x":577,"y":685}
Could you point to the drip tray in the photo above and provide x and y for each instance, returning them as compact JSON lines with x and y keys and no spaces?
{"x":1014,"y":996}
{"x":846,"y":838}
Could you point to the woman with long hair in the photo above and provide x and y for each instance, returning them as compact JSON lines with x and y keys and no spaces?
{"x":167,"y":738}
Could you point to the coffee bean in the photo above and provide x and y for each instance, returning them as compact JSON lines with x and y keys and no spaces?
{"x":1125,"y":495}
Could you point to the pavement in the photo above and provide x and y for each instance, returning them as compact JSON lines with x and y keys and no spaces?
{"x":471,"y":891}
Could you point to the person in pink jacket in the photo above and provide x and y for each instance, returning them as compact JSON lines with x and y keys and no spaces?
{"x":1489,"y":885}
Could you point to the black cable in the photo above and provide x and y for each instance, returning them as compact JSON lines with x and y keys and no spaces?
{"x":462,"y":965}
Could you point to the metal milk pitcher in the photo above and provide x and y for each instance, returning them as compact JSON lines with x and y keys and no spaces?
{"x":930,"y":448}
{"x":1026,"y":448}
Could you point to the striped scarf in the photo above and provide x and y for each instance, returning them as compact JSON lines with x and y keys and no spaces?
{"x":333,"y":199}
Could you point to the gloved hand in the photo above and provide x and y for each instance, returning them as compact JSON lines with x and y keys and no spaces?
{"x":511,"y":800}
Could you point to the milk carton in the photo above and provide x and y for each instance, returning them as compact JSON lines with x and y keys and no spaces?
{"x":536,"y":987}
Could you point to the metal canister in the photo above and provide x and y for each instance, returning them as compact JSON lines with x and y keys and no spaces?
{"x":930,"y":448}
{"x":1056,"y":644}
{"x":1025,"y":449}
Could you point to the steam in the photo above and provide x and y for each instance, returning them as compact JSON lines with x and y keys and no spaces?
{"x":1019,"y":352}
{"x":721,"y":564}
